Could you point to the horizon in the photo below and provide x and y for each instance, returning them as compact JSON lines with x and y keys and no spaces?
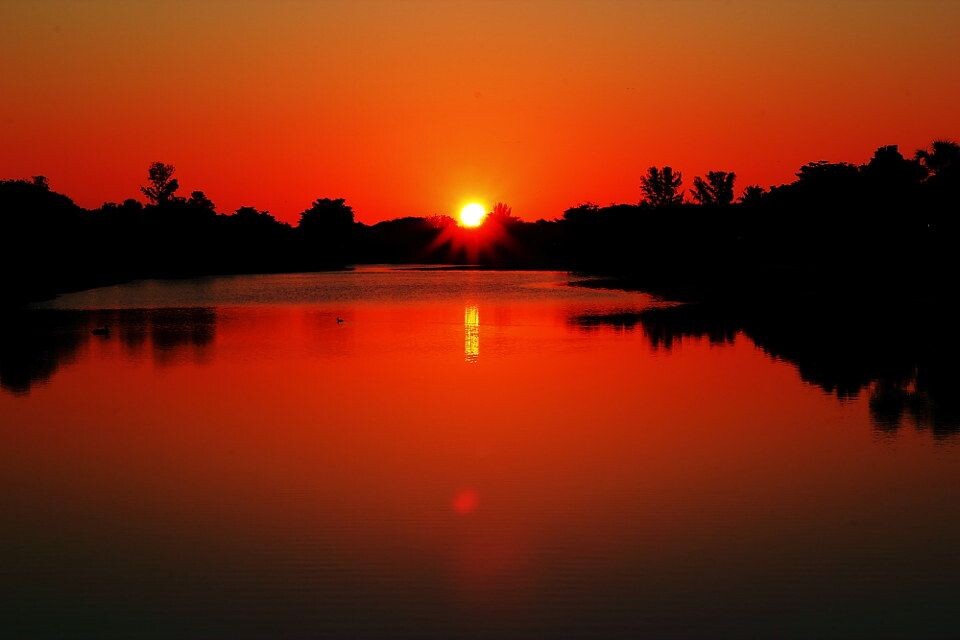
{"x":482,"y":210}
{"x":479,"y":319}
{"x":539,"y":107}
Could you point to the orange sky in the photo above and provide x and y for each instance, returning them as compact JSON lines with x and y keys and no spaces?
{"x":410,"y":108}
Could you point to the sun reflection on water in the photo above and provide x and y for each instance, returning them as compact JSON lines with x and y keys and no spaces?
{"x":471,"y":333}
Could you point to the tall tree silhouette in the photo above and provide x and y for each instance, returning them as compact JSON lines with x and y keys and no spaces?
{"x":162,"y":183}
{"x":717,"y":189}
{"x":661,"y":187}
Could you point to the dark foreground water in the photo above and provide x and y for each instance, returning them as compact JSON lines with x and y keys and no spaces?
{"x":469,"y":455}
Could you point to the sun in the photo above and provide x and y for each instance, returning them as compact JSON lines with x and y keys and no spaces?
{"x":472,"y":214}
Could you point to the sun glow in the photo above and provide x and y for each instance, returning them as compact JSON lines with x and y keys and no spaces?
{"x":473,"y":214}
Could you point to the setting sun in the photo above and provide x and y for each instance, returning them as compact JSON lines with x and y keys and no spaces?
{"x":472,"y":214}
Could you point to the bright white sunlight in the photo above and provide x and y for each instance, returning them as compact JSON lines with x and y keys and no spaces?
{"x":473,"y":214}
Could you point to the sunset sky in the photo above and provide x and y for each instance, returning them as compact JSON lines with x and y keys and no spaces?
{"x":413,"y":108}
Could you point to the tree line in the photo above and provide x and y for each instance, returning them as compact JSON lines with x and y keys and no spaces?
{"x":893,"y":219}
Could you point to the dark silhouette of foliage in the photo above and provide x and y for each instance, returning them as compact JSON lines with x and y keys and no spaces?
{"x":942,"y":159}
{"x":661,"y":187}
{"x":889,"y":167}
{"x":581,"y":212}
{"x":502,"y":214}
{"x":752,"y":195}
{"x":250,"y":216}
{"x":326,"y":229}
{"x":716,"y":190}
{"x":826,"y":176}
{"x":39,"y":234}
{"x":327,"y":215}
{"x":162,"y":185}
{"x":200,"y":202}
{"x":891,"y":222}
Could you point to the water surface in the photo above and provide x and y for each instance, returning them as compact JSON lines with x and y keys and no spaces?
{"x":450,"y":454}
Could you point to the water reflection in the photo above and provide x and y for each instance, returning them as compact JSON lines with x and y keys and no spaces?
{"x":471,"y":333}
{"x":34,"y":345}
{"x":597,"y":475}
{"x":903,"y":357}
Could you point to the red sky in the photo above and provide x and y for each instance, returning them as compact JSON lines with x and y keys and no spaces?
{"x":412,"y":108}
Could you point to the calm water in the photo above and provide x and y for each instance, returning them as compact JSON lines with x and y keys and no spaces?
{"x":466,"y":455}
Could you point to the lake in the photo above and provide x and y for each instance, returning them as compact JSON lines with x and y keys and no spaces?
{"x":433,"y":453}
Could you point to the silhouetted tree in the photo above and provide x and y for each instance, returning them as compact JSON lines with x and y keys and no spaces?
{"x":892,"y":220}
{"x":581,"y":212}
{"x":327,"y":227}
{"x":327,"y":215}
{"x":40,"y":239}
{"x":823,"y":173}
{"x":888,"y":168}
{"x":113,"y":214}
{"x":252,"y":216}
{"x":162,"y":183}
{"x":717,"y":189}
{"x":752,"y":195}
{"x":661,"y":187}
{"x":942,"y":159}
{"x":502,"y":214}
{"x":440,"y":221}
{"x":198,"y":200}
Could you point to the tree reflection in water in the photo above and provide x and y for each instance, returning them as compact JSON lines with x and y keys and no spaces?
{"x":35,"y":344}
{"x":903,"y":356}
